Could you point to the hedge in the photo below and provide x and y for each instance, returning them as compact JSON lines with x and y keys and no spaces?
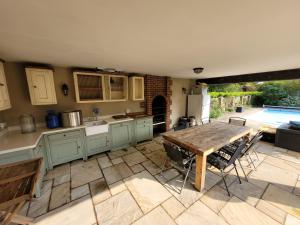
{"x":236,"y":94}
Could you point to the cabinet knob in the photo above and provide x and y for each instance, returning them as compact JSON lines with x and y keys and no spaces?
{"x":64,"y":135}
{"x":34,"y":86}
{"x":1,"y":84}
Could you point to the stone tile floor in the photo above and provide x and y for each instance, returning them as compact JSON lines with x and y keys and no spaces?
{"x":125,"y":187}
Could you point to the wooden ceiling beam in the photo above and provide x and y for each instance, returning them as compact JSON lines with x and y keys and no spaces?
{"x":254,"y":77}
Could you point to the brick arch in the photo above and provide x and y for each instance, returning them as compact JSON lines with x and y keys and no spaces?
{"x":154,"y":86}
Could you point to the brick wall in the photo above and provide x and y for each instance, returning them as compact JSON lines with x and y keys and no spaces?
{"x":154,"y":86}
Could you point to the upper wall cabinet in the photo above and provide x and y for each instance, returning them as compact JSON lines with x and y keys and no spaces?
{"x":4,"y":96}
{"x":118,"y":88}
{"x":95,"y":87}
{"x":41,"y":86}
{"x":136,"y":87}
{"x":89,"y":87}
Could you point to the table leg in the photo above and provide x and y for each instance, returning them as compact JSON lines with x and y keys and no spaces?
{"x":200,"y":172}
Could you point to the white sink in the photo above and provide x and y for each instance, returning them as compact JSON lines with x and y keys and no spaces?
{"x":96,"y":127}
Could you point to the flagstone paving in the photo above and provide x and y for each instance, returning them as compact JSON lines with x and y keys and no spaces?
{"x":127,"y":187}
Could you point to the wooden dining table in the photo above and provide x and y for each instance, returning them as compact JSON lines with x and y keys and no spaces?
{"x":204,"y":140}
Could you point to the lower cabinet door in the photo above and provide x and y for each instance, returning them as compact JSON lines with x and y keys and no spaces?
{"x":143,"y":132}
{"x":65,"y":150}
{"x":121,"y":135}
{"x":97,"y":143}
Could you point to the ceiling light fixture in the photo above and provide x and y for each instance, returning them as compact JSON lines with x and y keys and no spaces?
{"x":198,"y":70}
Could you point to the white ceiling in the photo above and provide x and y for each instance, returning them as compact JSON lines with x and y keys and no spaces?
{"x":159,"y":37}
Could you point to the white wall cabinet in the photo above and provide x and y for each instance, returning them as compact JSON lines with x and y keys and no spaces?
{"x":118,"y":88}
{"x":41,"y":86}
{"x":4,"y":96}
{"x":96,"y":87}
{"x":136,"y":87}
{"x":89,"y":87}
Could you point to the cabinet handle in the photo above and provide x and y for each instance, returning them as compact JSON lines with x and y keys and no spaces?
{"x":1,"y":84}
{"x":34,"y":86}
{"x":78,"y":147}
{"x":64,"y":135}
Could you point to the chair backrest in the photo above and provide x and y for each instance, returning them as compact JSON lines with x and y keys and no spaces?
{"x":237,"y":153}
{"x":17,"y":181}
{"x":173,"y":152}
{"x":237,"y":121}
{"x":257,"y":137}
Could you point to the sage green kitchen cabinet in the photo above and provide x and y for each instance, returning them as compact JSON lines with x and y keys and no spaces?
{"x":143,"y":129}
{"x":121,"y":135}
{"x":98,"y":143}
{"x":40,"y":151}
{"x":65,"y":147}
{"x":16,"y":156}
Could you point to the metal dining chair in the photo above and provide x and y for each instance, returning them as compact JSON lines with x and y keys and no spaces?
{"x":179,"y":159}
{"x":221,"y":161}
{"x":237,"y":121}
{"x":246,"y":152}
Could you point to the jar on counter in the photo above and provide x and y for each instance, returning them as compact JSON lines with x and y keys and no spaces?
{"x":27,"y":123}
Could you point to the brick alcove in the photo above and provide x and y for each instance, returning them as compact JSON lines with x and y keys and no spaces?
{"x":155,"y":86}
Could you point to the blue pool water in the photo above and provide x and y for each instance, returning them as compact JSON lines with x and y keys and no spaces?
{"x":275,"y":117}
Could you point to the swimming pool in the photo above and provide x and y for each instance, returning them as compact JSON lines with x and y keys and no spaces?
{"x":275,"y":117}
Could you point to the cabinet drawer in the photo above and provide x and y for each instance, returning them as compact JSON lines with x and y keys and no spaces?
{"x":64,"y":135}
{"x":147,"y":120}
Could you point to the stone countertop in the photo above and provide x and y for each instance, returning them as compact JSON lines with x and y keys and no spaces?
{"x":12,"y":141}
{"x":15,"y":141}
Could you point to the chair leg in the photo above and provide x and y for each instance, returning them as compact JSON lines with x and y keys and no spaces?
{"x":243,"y":170}
{"x":164,"y":168}
{"x":187,"y":175}
{"x":255,"y":154}
{"x":251,"y":161}
{"x":237,"y":173}
{"x":222,"y":173}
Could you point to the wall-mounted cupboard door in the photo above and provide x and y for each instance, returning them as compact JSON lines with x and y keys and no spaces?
{"x":4,"y":96}
{"x":41,"y":86}
{"x":136,"y":88}
{"x":118,"y":88}
{"x":89,"y":87}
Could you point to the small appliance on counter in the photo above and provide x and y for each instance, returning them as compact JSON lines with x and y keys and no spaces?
{"x":52,"y":119}
{"x":27,"y":123}
{"x":71,"y":118}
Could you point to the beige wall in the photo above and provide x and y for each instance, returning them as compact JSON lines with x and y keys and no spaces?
{"x":20,"y":100}
{"x":179,"y":99}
